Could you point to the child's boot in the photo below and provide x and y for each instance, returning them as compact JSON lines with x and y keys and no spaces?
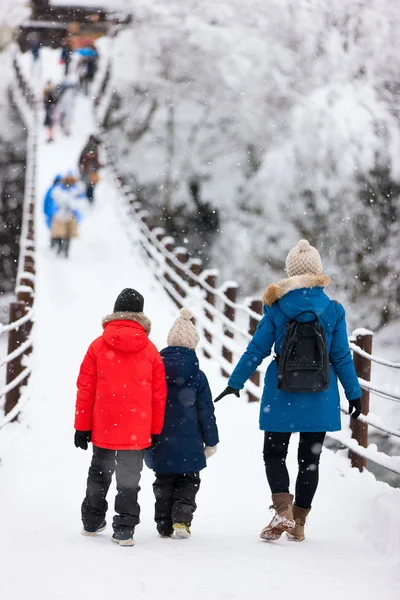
{"x":165,"y":529}
{"x":181,"y":530}
{"x":91,"y":531}
{"x":283,"y":518}
{"x":123,"y":538}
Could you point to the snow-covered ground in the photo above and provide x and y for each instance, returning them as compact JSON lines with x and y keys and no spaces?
{"x":353,"y":544}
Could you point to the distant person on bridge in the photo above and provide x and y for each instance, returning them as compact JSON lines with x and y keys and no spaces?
{"x":49,"y":102}
{"x":66,"y":214}
{"x":35,"y":43}
{"x":189,"y":435}
{"x":66,"y":54}
{"x":87,"y":66}
{"x":119,"y":408}
{"x":66,"y":103}
{"x":89,"y":165}
{"x":300,"y":392}
{"x":49,"y":204}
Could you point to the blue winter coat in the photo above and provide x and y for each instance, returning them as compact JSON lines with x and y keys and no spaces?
{"x":189,"y":421}
{"x":49,"y":205}
{"x":287,"y":411}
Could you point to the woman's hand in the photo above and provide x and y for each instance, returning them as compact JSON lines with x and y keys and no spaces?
{"x":228,"y":390}
{"x":356,"y":406}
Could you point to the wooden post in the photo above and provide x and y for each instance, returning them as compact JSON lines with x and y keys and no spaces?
{"x":131,"y":197}
{"x":137,"y":206}
{"x":159,"y":233}
{"x":255,"y":306}
{"x":181,"y":254}
{"x":230,"y":292}
{"x":14,"y":368}
{"x":210,"y":277}
{"x":359,"y":430}
{"x":169,"y":244}
{"x":195,"y":268}
{"x":25,"y":293}
{"x":29,"y":267}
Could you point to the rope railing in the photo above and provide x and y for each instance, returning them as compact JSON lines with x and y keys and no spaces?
{"x":21,"y":312}
{"x":378,"y":391}
{"x":375,"y":422}
{"x":375,"y":359}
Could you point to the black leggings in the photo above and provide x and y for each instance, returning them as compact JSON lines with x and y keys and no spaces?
{"x":275,"y":451}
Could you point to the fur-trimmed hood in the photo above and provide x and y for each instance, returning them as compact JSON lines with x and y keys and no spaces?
{"x":276,"y":291}
{"x":126,"y":331}
{"x":137,"y":317}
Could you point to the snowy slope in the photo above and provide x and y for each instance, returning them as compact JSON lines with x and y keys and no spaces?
{"x":353,"y":544}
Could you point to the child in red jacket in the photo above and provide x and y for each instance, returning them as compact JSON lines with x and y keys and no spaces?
{"x":120,"y":404}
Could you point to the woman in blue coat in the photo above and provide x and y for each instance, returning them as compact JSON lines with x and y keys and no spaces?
{"x":311,"y":414}
{"x":189,"y":435}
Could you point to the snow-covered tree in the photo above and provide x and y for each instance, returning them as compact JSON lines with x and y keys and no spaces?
{"x":12,"y":13}
{"x":288,"y":111}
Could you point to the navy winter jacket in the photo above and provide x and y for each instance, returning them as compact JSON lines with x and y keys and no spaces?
{"x":189,"y":421}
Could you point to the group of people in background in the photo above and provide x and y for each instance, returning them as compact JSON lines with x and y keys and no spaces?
{"x":65,"y":199}
{"x":80,"y":67}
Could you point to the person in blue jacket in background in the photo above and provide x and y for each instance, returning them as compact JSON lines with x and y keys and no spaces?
{"x":189,"y":435}
{"x":62,"y":208}
{"x":48,"y":204}
{"x":311,"y":414}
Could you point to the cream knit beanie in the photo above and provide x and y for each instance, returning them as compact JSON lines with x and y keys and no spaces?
{"x":183,"y":332}
{"x":303,"y":259}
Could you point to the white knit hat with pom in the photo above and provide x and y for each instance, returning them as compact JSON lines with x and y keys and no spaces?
{"x":183,"y":332}
{"x":303,"y":259}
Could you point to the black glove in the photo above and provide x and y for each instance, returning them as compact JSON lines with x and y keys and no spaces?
{"x":228,"y":390}
{"x":154,"y":439}
{"x":82,"y":438}
{"x":356,"y":406}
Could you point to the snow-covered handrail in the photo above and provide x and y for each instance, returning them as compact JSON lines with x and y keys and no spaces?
{"x":391,"y":463}
{"x":21,"y":311}
{"x":15,"y":382}
{"x":17,"y":352}
{"x":378,"y":391}
{"x":18,"y":323}
{"x":375,"y":422}
{"x":372,"y":358}
{"x":14,"y":412}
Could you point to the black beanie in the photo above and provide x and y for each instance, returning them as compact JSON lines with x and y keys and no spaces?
{"x":129,"y":300}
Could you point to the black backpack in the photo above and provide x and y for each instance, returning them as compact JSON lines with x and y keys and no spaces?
{"x":303,"y":364}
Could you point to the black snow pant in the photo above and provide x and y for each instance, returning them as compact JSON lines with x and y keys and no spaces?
{"x":90,"y":192}
{"x":62,"y":245}
{"x":127,"y":465}
{"x":175,"y":500}
{"x":275,"y":451}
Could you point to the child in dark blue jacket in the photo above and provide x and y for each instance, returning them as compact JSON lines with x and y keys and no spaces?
{"x":189,"y":435}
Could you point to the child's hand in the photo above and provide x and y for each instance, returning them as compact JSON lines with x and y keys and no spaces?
{"x":209,"y":451}
{"x":154,"y":439}
{"x":82,"y":438}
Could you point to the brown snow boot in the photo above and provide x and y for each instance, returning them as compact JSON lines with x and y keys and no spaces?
{"x":300,"y":515}
{"x":282,"y":519}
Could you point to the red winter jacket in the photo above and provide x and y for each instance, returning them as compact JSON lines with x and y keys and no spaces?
{"x":121,"y":385}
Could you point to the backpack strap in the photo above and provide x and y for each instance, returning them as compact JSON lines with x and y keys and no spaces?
{"x":302,"y":313}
